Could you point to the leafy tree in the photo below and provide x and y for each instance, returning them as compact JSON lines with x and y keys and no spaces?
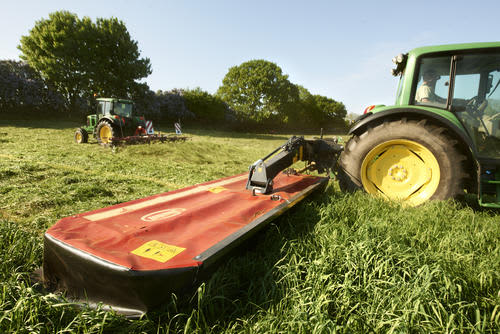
{"x":258,"y":91}
{"x":80,"y":58}
{"x":330,"y":109}
{"x":204,"y":105}
{"x":304,"y":113}
{"x":316,"y":111}
{"x":118,"y":66}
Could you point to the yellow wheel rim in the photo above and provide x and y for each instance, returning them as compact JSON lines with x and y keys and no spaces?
{"x":401,"y":170}
{"x":105,"y":134}
{"x":78,"y":137}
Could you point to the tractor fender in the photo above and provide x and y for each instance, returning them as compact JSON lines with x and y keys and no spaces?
{"x":456,"y":131}
{"x":107,"y":118}
{"x":459,"y":133}
{"x":113,"y":121}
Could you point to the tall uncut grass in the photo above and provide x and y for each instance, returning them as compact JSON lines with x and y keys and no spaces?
{"x":335,"y":263}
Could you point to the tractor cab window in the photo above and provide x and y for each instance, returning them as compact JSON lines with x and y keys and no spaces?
{"x":123,"y":109}
{"x":476,"y":100}
{"x":399,"y":92}
{"x":433,"y":82}
{"x":100,"y":108}
{"x":104,"y":108}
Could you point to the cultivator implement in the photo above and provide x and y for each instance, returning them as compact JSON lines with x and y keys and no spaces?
{"x":133,"y":255}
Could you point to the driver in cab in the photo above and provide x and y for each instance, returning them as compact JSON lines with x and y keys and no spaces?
{"x":425,"y":93}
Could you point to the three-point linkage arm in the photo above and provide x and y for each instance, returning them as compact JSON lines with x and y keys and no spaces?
{"x":322,"y":153}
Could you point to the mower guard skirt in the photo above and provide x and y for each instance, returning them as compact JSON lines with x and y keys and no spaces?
{"x":133,"y":255}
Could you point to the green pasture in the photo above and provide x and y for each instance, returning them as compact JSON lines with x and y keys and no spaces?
{"x":346,"y":263}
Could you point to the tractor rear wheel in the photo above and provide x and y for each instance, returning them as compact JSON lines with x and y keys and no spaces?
{"x":81,"y":136}
{"x":104,"y":132}
{"x":408,"y":161}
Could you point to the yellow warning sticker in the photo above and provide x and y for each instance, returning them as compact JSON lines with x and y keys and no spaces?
{"x":158,"y":251}
{"x":217,"y":190}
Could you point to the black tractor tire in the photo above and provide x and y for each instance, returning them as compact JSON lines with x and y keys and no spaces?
{"x":81,"y":136}
{"x":104,"y":132}
{"x":449,"y":172}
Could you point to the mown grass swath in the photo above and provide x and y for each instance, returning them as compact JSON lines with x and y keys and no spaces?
{"x":337,"y":262}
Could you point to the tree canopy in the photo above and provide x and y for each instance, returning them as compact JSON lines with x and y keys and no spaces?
{"x":204,"y":105}
{"x":258,"y":90}
{"x":80,"y":58}
{"x":330,"y":109}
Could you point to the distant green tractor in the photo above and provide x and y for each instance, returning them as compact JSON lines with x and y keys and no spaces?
{"x":113,"y":118}
{"x":442,"y":136}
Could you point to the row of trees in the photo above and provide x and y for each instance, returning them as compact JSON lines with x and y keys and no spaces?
{"x":66,"y":60}
{"x":259,"y":91}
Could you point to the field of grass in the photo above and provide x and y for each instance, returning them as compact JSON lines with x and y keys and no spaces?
{"x":335,"y":263}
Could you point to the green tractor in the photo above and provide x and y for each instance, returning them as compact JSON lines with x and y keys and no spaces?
{"x":113,"y":118}
{"x":441,"y":139}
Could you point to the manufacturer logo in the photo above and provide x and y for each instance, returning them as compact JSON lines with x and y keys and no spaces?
{"x":162,"y":214}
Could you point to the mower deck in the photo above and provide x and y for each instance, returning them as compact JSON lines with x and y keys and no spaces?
{"x":133,"y":255}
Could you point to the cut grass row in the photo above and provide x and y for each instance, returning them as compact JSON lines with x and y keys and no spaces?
{"x":335,"y":263}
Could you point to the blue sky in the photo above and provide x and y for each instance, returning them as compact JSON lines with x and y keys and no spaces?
{"x":342,"y":50}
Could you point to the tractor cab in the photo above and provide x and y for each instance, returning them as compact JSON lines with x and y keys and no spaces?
{"x":467,"y":85}
{"x":469,"y":90}
{"x":109,"y":107}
